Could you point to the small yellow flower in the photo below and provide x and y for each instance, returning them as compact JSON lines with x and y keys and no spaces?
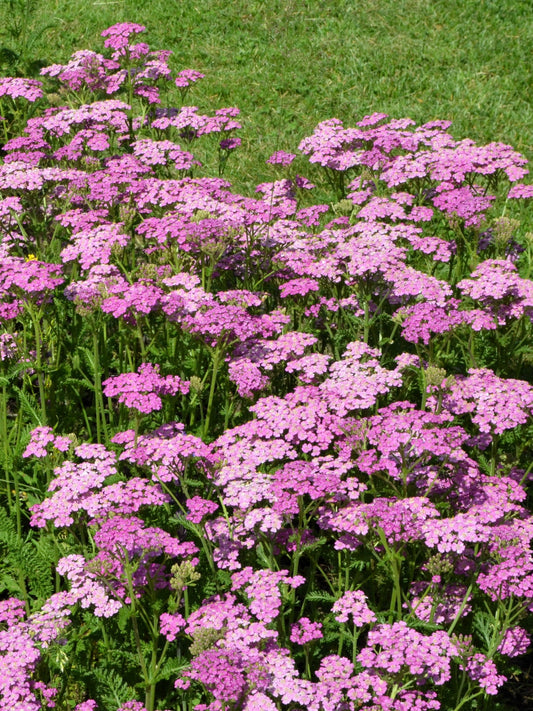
{"x":31,"y":258}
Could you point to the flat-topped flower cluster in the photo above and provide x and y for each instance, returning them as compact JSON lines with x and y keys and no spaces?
{"x":261,"y":453}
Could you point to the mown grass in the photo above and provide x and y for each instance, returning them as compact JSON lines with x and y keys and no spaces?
{"x":288,"y":64}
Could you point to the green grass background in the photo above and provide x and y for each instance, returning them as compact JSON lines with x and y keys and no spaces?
{"x":288,"y":64}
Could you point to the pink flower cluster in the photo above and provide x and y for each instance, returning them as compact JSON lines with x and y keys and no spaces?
{"x":142,"y":391}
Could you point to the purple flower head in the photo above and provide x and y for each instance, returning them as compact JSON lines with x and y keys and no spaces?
{"x":171,"y":625}
{"x":117,"y":36}
{"x":167,"y":451}
{"x":262,"y":587}
{"x":132,"y":706}
{"x":356,"y":381}
{"x":515,"y":642}
{"x":354,"y":604}
{"x":128,"y":301}
{"x":85,"y":68}
{"x":8,"y":346}
{"x":122,"y":541}
{"x":17,"y":87}
{"x":89,"y":705}
{"x":223,"y":673}
{"x":497,"y":404}
{"x":423,"y":320}
{"x":41,"y":437}
{"x":520,"y":191}
{"x":497,"y":286}
{"x":186,"y":77}
{"x":229,"y":144}
{"x":401,"y":647}
{"x":141,"y":391}
{"x":152,"y":153}
{"x":281,"y":158}
{"x":298,"y":287}
{"x":480,"y":668}
{"x":441,"y":605}
{"x":305,"y":631}
{"x":30,"y":279}
{"x":11,"y":611}
{"x":198,"y":508}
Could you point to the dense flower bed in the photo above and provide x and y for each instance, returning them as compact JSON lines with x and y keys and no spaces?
{"x":257,"y":452}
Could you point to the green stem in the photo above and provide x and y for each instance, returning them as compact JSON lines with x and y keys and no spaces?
{"x":3,"y":437}
{"x":216,"y":364}
{"x":366,"y":326}
{"x":396,"y":565}
{"x":148,"y":682}
{"x":99,"y":399}
{"x":38,"y":362}
{"x":460,"y":611}
{"x":468,"y":699}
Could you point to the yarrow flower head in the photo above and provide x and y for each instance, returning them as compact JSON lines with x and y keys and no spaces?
{"x":141,"y":391}
{"x":353,"y":604}
{"x":515,"y":642}
{"x":17,"y":87}
{"x":281,"y":158}
{"x":305,"y":631}
{"x":187,"y":77}
{"x":117,"y":36}
{"x":41,"y":437}
{"x":426,"y":657}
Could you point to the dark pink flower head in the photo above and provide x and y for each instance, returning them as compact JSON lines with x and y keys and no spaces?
{"x":141,"y":391}
{"x":281,"y":158}
{"x":11,"y":610}
{"x":515,"y":642}
{"x":229,"y":144}
{"x":118,"y":35}
{"x":498,"y":287}
{"x":483,"y":670}
{"x":198,"y":508}
{"x":401,"y":647}
{"x":353,"y":604}
{"x":496,"y":404}
{"x":84,"y":69}
{"x":41,"y":437}
{"x":520,"y":191}
{"x":305,"y":631}
{"x":28,"y":279}
{"x":187,"y":77}
{"x":15,"y":87}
